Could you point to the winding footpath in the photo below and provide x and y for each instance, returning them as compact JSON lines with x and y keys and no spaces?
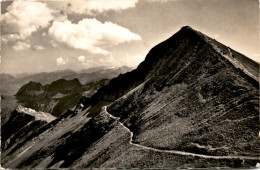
{"x":175,"y":151}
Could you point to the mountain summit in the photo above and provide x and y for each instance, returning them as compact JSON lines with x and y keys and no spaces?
{"x":193,"y":102}
{"x":186,"y":53}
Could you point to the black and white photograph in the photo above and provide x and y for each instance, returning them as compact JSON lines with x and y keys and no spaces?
{"x":130,"y":84}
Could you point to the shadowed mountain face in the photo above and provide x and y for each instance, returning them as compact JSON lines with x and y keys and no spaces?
{"x":57,"y":97}
{"x":210,"y":106}
{"x":193,"y":102}
{"x":21,"y":123}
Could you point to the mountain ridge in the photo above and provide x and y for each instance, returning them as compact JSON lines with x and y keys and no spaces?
{"x":186,"y":30}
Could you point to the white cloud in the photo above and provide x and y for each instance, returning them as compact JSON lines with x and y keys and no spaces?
{"x":10,"y":37}
{"x":91,"y":34}
{"x":38,"y":47}
{"x":60,"y":61}
{"x":86,"y":62}
{"x":90,"y":6}
{"x":24,"y":18}
{"x":81,"y":59}
{"x":21,"y":46}
{"x":53,"y":43}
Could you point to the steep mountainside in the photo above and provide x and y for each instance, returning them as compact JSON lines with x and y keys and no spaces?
{"x":21,"y":123}
{"x":188,"y":104}
{"x":8,"y":104}
{"x":210,"y":106}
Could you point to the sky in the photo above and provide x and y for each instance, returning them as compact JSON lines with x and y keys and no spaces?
{"x":44,"y":36}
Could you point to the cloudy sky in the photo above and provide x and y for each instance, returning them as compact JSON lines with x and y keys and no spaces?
{"x":76,"y":34}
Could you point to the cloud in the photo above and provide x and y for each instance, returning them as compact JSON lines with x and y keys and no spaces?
{"x":21,"y":46}
{"x":86,"y":62}
{"x":9,"y":37}
{"x":24,"y":18}
{"x":53,"y":43}
{"x":38,"y":47}
{"x":60,"y":61}
{"x":92,"y":6}
{"x":81,"y":59}
{"x":91,"y":35}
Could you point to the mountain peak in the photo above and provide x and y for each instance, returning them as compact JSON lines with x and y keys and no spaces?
{"x":188,"y":50}
{"x":187,"y":28}
{"x":189,"y":31}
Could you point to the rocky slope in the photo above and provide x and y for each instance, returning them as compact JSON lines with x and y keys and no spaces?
{"x":21,"y":123}
{"x":188,"y":104}
{"x":8,"y":104}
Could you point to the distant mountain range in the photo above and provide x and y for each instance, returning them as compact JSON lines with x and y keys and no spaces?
{"x":192,"y":103}
{"x":10,"y":84}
